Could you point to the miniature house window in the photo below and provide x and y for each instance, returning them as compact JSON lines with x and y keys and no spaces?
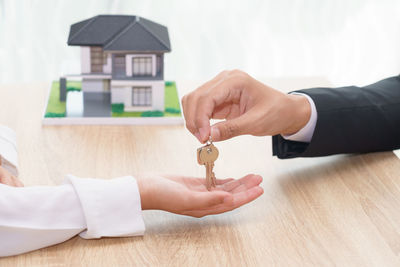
{"x":141,"y":96}
{"x":97,"y":59}
{"x":140,"y":65}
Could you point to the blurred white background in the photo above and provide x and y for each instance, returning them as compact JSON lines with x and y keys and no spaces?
{"x":348,"y":42}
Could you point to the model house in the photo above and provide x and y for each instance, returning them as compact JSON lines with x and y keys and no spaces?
{"x":122,"y":62}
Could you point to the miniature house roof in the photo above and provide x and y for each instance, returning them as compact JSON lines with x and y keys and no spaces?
{"x":120,"y":33}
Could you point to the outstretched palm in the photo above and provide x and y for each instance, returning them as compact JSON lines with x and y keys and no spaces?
{"x":189,"y":196}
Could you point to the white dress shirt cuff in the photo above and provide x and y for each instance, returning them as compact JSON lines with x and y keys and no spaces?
{"x":8,"y":150}
{"x":111,"y":207}
{"x":307,"y":132}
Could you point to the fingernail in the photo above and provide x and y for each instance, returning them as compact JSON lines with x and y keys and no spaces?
{"x":203,"y":134}
{"x":260,"y":190}
{"x":215,"y":134}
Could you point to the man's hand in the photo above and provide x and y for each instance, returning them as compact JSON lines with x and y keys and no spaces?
{"x":7,"y":178}
{"x":247,"y":105}
{"x":189,"y":196}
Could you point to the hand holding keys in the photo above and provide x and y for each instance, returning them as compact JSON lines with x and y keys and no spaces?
{"x":207,"y":155}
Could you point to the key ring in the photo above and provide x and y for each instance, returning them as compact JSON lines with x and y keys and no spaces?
{"x":209,"y":141}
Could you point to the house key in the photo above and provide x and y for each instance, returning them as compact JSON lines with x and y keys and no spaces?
{"x":207,"y":155}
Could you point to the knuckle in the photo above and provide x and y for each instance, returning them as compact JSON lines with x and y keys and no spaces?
{"x":242,"y":79}
{"x":239,"y":77}
{"x":236,"y":72}
{"x":223,"y":73}
{"x":241,"y":74}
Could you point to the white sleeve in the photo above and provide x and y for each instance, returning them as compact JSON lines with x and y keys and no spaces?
{"x":8,"y":150}
{"x":306,"y":133}
{"x":39,"y":216}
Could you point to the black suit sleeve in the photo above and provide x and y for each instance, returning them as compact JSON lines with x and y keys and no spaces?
{"x":350,"y":120}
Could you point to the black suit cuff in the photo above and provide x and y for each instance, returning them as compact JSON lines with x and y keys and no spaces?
{"x":286,"y":149}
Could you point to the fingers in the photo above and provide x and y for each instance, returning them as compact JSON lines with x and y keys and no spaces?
{"x":241,"y":192}
{"x":235,"y":201}
{"x":228,"y":90}
{"x":11,"y":181}
{"x":242,"y":184}
{"x":229,"y":184}
{"x":247,"y":196}
{"x":223,"y":181}
{"x":226,"y":111}
{"x":189,"y":108}
{"x":239,"y":199}
{"x":200,"y":105}
{"x":230,"y":128}
{"x":208,"y":199}
{"x":189,"y":103}
{"x":6,"y":179}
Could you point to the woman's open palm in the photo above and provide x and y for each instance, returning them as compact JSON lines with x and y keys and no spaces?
{"x":189,"y":196}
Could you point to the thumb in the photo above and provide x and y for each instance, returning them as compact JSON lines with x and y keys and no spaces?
{"x":230,"y":128}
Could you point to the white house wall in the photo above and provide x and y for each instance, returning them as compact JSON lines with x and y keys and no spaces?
{"x":85,"y":59}
{"x":121,"y":92}
{"x":121,"y":95}
{"x":107,"y":67}
{"x":74,"y":104}
{"x":92,"y":85}
{"x":158,"y":95}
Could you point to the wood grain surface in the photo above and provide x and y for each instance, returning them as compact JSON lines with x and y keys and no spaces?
{"x":330,"y":211}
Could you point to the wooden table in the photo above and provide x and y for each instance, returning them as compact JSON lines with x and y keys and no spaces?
{"x":338,"y":210}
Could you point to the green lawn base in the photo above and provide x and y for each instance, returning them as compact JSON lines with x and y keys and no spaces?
{"x":172,"y":107}
{"x":152,"y":113}
{"x":55,"y":108}
{"x":54,"y":115}
{"x":127,"y":114}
